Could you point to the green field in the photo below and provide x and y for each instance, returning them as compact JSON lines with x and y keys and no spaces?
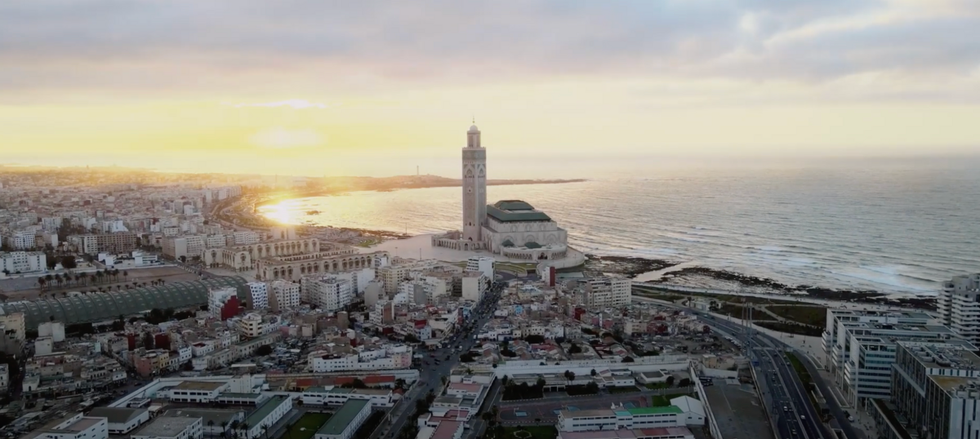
{"x":807,"y":315}
{"x":537,"y":432}
{"x":629,"y":389}
{"x":306,"y":426}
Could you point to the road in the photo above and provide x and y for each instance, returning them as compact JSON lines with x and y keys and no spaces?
{"x":440,"y":362}
{"x":793,"y":387}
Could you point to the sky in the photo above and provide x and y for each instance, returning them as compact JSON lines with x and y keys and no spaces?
{"x":375,"y":88}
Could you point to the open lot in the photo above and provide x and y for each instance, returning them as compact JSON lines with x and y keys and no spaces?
{"x":531,"y":432}
{"x":807,"y":315}
{"x":307,"y":425}
{"x":737,"y":410}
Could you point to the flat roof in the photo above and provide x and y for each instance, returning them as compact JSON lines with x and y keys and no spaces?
{"x":116,"y":415}
{"x":515,"y":211}
{"x":340,"y":420}
{"x":446,"y":430}
{"x":166,"y":426}
{"x":265,"y":409}
{"x":199,"y":385}
{"x":216,"y":415}
{"x":82,"y":424}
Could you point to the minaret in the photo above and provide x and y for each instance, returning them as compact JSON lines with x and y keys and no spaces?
{"x":474,"y":186}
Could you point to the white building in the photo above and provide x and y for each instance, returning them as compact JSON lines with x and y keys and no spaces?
{"x":22,"y":241}
{"x":389,"y":357}
{"x":122,"y":420}
{"x":482,"y":264}
{"x":684,"y":411}
{"x":217,"y":298}
{"x":259,"y":292}
{"x":331,"y":294}
{"x":937,"y":388}
{"x":285,"y":295}
{"x":331,"y":395}
{"x":55,"y":330}
{"x":959,"y":306}
{"x":608,"y":291}
{"x":266,"y":415}
{"x":172,"y":427}
{"x":373,"y":292}
{"x":474,"y":283}
{"x":246,"y":238}
{"x":252,"y":326}
{"x":184,"y":246}
{"x":198,"y":391}
{"x":23,"y":262}
{"x":860,"y":348}
{"x":345,"y":422}
{"x":78,"y":427}
{"x":517,"y":230}
{"x":215,"y":241}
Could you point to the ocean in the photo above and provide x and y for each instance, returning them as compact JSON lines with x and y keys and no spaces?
{"x":890,"y":229}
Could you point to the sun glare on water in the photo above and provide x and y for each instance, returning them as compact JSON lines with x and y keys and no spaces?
{"x":280,"y":212}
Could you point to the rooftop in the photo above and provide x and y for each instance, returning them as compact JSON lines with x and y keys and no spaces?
{"x":82,"y":424}
{"x":515,"y":211}
{"x":446,"y":430}
{"x":340,"y":420}
{"x":216,"y":415}
{"x":199,"y":385}
{"x":654,"y":410}
{"x":116,"y":415}
{"x":265,"y":409}
{"x":167,"y":426}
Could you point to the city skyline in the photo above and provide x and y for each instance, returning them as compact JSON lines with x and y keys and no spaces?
{"x":318,"y":89}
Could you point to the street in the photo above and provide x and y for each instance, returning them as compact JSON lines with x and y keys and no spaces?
{"x":440,"y":362}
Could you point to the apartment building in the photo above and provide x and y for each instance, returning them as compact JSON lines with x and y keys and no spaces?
{"x":184,"y":246}
{"x":937,"y":389}
{"x":482,"y":264}
{"x":285,"y":295}
{"x":259,"y":293}
{"x":959,"y":306}
{"x":22,"y":241}
{"x":23,"y":262}
{"x":330,"y":294}
{"x":860,"y":348}
{"x":121,"y":242}
{"x":252,"y":326}
{"x":474,"y":284}
{"x":607,"y":291}
{"x":246,"y":238}
{"x":78,"y":426}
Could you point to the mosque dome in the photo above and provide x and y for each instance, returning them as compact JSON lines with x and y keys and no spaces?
{"x":473,"y":129}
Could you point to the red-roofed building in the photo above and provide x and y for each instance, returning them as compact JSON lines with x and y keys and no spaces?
{"x":448,"y":430}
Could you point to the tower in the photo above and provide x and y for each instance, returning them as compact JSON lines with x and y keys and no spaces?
{"x":474,"y":186}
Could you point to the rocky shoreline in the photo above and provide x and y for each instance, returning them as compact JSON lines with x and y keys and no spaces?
{"x":709,"y":278}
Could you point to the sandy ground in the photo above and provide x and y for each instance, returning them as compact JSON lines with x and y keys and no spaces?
{"x":167,"y":273}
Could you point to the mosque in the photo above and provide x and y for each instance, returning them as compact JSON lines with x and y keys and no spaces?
{"x":510,"y":228}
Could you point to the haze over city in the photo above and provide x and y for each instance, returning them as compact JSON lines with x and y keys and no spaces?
{"x":337,"y":88}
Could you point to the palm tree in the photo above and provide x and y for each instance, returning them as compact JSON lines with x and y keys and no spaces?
{"x":41,"y":282}
{"x":160,"y":281}
{"x":224,"y":427}
{"x":125,"y":274}
{"x":78,"y":279}
{"x":210,"y":426}
{"x":265,"y":431}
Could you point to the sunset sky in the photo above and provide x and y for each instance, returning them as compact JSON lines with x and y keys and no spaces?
{"x":374,"y":88}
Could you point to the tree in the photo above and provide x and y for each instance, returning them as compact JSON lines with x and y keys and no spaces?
{"x":670,"y":380}
{"x":628,"y":360}
{"x":263,"y":350}
{"x":684,"y":382}
{"x":68,"y":262}
{"x":569,"y":375}
{"x":593,"y":373}
{"x":125,"y":274}
{"x":574,"y":349}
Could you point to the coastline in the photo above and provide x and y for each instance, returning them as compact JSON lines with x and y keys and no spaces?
{"x":681,"y":277}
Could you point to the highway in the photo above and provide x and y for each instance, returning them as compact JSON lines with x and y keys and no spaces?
{"x":440,"y":362}
{"x":764,"y":340}
{"x":769,"y":352}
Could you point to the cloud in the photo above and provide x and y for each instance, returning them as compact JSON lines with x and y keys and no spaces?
{"x":281,"y":138}
{"x":297,"y":104}
{"x":194,"y":47}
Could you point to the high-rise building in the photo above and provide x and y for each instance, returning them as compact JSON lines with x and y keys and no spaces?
{"x":474,"y":283}
{"x":331,"y":294}
{"x":860,"y":348}
{"x":959,"y":306}
{"x":608,"y":291}
{"x":482,"y":264}
{"x":373,"y":292}
{"x":285,"y":295}
{"x":220,"y":300}
{"x":259,"y":293}
{"x":936,"y":389}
